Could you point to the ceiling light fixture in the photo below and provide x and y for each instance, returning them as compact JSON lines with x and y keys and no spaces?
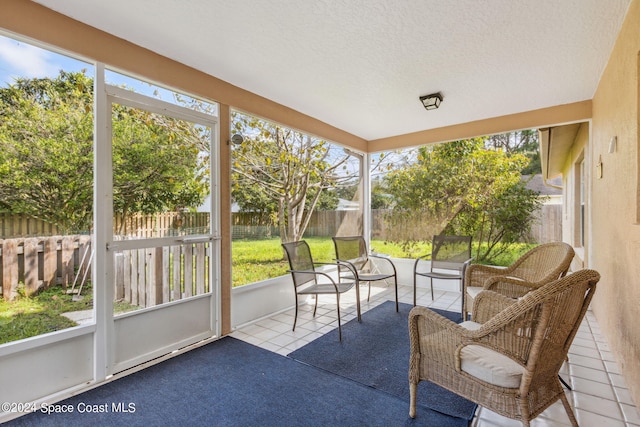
{"x":431,"y":102}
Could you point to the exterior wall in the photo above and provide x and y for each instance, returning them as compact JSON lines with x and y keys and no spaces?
{"x":571,"y":209}
{"x":615,"y":232}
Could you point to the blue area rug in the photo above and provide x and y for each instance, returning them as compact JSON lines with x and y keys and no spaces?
{"x":232,"y":383}
{"x":376,"y":353}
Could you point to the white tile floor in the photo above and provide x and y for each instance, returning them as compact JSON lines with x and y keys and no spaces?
{"x":600,"y":396}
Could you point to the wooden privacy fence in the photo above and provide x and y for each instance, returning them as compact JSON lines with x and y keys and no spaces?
{"x":251,"y":225}
{"x":40,"y":262}
{"x":161,"y":224}
{"x":134,"y":225}
{"x":144,"y":277}
{"x":152,"y":276}
{"x":546,"y":227}
{"x":15,"y":225}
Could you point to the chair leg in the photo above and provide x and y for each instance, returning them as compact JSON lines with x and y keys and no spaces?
{"x":431,"y":283}
{"x":569,"y":410}
{"x":338,"y":309}
{"x":295,"y":317}
{"x":358,"y":300}
{"x":462,"y":296}
{"x":524,"y":412}
{"x":413,"y":388}
{"x":369,"y":295}
{"x":395,"y":283}
{"x":564,"y":383}
{"x":315,"y":307}
{"x":415,"y":278}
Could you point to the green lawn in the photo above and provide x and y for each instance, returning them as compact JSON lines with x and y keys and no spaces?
{"x":29,"y":316}
{"x":256,"y":260}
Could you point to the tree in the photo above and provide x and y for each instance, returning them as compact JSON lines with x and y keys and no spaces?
{"x":284,"y":172}
{"x":462,"y":188}
{"x":524,"y":142}
{"x":46,"y":154}
{"x":431,"y":190}
{"x":159,"y":163}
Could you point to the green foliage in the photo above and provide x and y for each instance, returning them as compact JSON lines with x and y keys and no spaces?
{"x":524,"y":142}
{"x":46,"y":154}
{"x":46,"y":133}
{"x":380,"y":199}
{"x":156,"y":163}
{"x":462,"y":188}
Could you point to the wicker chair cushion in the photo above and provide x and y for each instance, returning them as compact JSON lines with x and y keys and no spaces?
{"x":472,"y":293}
{"x":472,"y":326}
{"x":489,"y":365}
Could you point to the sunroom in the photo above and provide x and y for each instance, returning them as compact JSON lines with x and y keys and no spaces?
{"x":352,"y":75}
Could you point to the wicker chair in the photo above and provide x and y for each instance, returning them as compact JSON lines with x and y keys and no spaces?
{"x":308,"y":281}
{"x":540,"y":265}
{"x":354,"y":261}
{"x":508,"y":357}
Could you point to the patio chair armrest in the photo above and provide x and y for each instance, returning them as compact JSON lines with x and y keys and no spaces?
{"x":512,"y":287}
{"x":417,"y":261}
{"x":477,"y":274}
{"x":325,"y":263}
{"x":487,"y":304}
{"x":387,"y":259}
{"x":316,"y":273}
{"x":432,"y":321}
{"x":379,"y":255}
{"x":465,"y":266}
{"x":433,"y":335}
{"x":348,"y":264}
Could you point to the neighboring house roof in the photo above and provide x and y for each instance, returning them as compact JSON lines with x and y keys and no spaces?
{"x":347,"y":205}
{"x":536,"y":183}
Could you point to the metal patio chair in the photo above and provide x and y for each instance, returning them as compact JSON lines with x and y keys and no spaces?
{"x":451,"y":253}
{"x":308,"y":281}
{"x":355,"y":263}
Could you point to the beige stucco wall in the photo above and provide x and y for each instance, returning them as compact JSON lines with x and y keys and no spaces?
{"x":571,"y":200}
{"x":615,"y":232}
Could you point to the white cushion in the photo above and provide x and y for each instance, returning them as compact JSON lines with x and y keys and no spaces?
{"x":491,"y":366}
{"x":472,"y":326}
{"x":472,"y":293}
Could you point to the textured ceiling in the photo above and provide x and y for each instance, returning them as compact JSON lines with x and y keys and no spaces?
{"x":360,"y":65}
